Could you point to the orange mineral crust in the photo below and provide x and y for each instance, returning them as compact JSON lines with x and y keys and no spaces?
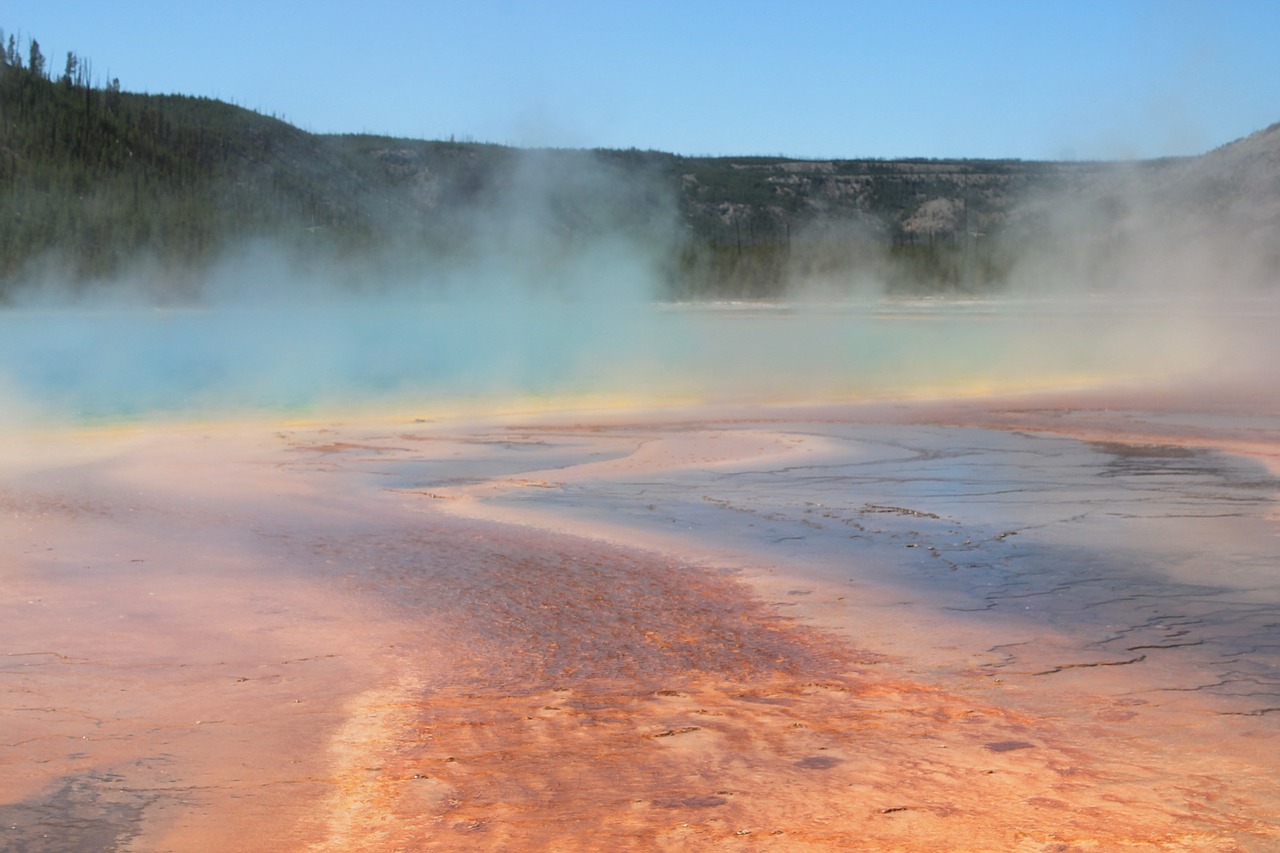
{"x":695,"y":630}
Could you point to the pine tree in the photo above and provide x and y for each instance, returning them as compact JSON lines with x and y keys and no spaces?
{"x":35,"y":64}
{"x":69,"y":75}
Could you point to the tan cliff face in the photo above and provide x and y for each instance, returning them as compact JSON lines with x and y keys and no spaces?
{"x":1236,"y":187}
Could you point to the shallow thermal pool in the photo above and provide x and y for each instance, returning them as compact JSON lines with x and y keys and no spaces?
{"x":330,"y":354}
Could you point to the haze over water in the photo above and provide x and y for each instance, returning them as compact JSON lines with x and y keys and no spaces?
{"x":438,"y":355}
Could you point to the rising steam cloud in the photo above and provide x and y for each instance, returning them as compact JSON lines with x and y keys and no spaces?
{"x":550,"y":295}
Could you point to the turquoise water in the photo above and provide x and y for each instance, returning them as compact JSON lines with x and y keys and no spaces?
{"x":139,"y":361}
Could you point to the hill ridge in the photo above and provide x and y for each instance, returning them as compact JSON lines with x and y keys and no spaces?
{"x":97,"y":182}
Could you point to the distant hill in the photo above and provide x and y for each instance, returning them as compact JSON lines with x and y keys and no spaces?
{"x":97,"y":183}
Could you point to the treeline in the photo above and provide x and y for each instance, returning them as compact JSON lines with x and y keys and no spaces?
{"x":92,"y":179}
{"x":95,"y":181}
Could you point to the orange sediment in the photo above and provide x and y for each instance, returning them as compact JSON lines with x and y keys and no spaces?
{"x":624,"y":704}
{"x":242,"y":640}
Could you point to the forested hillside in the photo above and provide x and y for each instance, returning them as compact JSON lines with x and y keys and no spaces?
{"x":96,"y":182}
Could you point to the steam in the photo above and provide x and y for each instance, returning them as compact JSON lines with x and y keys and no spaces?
{"x":1168,"y":230}
{"x":550,"y":296}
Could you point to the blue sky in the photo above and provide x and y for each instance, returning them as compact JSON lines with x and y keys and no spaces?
{"x":1036,"y":79}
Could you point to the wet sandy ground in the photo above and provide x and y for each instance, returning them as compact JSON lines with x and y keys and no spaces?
{"x":1020,"y":624}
